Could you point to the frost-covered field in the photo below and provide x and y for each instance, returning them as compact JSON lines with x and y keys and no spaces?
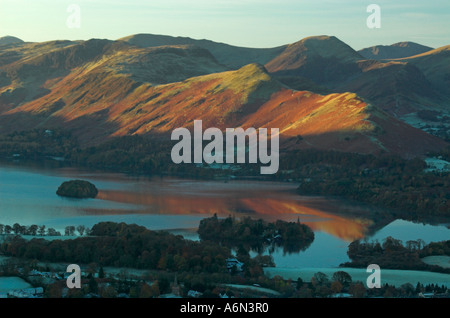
{"x":46,"y":237}
{"x":436,"y":164}
{"x":443,"y":261}
{"x":10,"y":283}
{"x":388,"y":276}
{"x":254,"y":288}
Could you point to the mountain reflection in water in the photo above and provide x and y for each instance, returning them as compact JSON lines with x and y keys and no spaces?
{"x":269,"y":203}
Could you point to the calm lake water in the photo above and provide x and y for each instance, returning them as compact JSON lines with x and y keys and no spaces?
{"x":28,"y":196}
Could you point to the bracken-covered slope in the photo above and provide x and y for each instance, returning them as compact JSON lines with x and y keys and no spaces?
{"x":30,"y":71}
{"x":114,"y":94}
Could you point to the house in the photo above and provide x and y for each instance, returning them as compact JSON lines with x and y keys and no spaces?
{"x":341,"y":295}
{"x":194,"y":294}
{"x":426,"y":295}
{"x":234,"y":263}
{"x":27,"y":293}
{"x":169,"y":296}
{"x":175,"y":287}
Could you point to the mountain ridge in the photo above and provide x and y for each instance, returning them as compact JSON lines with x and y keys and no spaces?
{"x":99,"y":89}
{"x":394,"y":51}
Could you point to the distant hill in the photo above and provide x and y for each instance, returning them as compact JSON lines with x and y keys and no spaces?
{"x":231,"y":56}
{"x":29,"y":71}
{"x":5,"y":40}
{"x":322,"y":59}
{"x":435,"y":65}
{"x":400,"y":87}
{"x":394,"y":51}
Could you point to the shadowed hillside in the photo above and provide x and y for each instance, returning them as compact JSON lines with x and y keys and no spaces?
{"x":401,"y":87}
{"x":231,"y":56}
{"x":394,"y":51}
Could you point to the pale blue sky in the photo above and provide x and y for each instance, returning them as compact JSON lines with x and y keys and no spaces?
{"x":251,"y":23}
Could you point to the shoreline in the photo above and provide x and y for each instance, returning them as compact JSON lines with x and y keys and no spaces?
{"x":286,"y":187}
{"x":388,"y":276}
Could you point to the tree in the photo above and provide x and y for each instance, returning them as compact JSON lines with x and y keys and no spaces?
{"x":81,"y":229}
{"x":155,"y":289}
{"x":134,"y":292}
{"x":77,"y":189}
{"x":2,"y":227}
{"x":392,"y":244}
{"x":419,"y":288}
{"x":41,"y":230}
{"x":146,"y":291}
{"x":299,"y":282}
{"x":420,"y":244}
{"x":342,"y":277}
{"x":69,"y":230}
{"x":320,"y":278}
{"x":357,"y":290}
{"x":407,"y":289}
{"x":163,"y":284}
{"x":52,"y":232}
{"x":93,"y":286}
{"x":7,"y":229}
{"x":54,"y":291}
{"x":101,"y":272}
{"x":336,"y":287}
{"x":412,"y":245}
{"x":304,"y":292}
{"x":16,"y":228}
{"x":92,"y":268}
{"x":32,"y":230}
{"x":109,"y":292}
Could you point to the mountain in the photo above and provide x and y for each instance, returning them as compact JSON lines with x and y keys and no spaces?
{"x":6,"y":40}
{"x":231,"y":56}
{"x":435,"y":65}
{"x":324,"y":64}
{"x":403,"y":87}
{"x":342,"y":122}
{"x":28,"y":74}
{"x":99,"y":89}
{"x":394,"y":51}
{"x":322,"y":59}
{"x":422,"y":96}
{"x":248,"y":97}
{"x":398,"y":88}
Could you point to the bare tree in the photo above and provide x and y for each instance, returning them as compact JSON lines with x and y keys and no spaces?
{"x":70,"y":230}
{"x":81,"y":229}
{"x":41,"y":230}
{"x":32,"y":230}
{"x":7,"y":229}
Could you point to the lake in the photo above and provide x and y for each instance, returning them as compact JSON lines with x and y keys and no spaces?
{"x":28,"y":196}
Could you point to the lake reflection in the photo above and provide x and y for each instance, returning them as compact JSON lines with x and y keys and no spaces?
{"x":28,"y":196}
{"x":269,"y":201}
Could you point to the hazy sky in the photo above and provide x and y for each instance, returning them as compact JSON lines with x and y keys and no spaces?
{"x":251,"y":23}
